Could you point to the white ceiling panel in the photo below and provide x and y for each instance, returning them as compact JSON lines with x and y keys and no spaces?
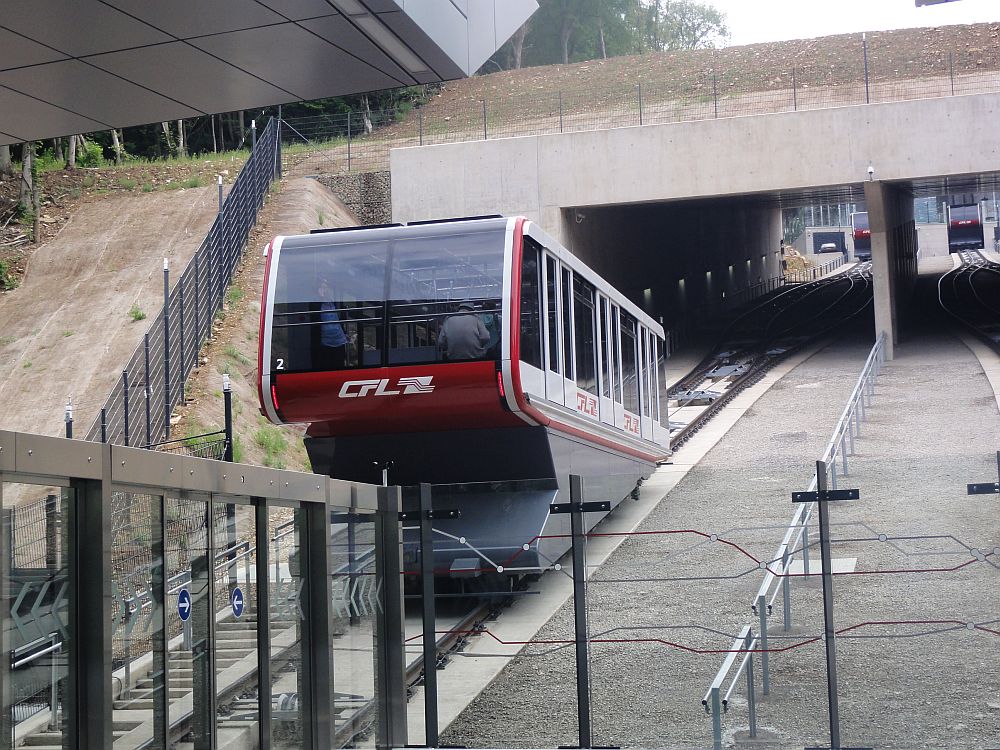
{"x":169,"y":68}
{"x":26,"y":119}
{"x":77,"y":27}
{"x":94,"y":93}
{"x":188,"y":18}
{"x":310,"y":67}
{"x":16,"y":51}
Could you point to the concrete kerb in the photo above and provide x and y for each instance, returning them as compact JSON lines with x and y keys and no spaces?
{"x":988,"y":360}
{"x":476,"y":667}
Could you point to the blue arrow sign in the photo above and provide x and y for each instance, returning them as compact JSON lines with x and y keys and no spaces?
{"x":184,"y":604}
{"x":237,"y":601}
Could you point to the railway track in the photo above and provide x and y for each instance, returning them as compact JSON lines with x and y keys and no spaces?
{"x":970,"y":293}
{"x":762,"y":337}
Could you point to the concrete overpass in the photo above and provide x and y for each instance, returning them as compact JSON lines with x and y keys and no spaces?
{"x":674,"y":212}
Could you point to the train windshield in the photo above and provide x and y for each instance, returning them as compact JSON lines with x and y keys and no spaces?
{"x":388,"y":302}
{"x":860,"y":221}
{"x":965,"y":214}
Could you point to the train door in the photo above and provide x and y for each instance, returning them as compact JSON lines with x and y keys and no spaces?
{"x":568,"y":340}
{"x":647,"y":394}
{"x":616,"y":365}
{"x":553,"y":332}
{"x":630,"y":374}
{"x":608,"y":366}
{"x":532,"y":329}
{"x":585,"y":348}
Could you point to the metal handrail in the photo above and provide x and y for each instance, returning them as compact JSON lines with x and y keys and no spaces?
{"x":717,"y":704}
{"x":811,"y":274}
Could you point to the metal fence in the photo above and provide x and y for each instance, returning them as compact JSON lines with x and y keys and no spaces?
{"x":863,"y":71}
{"x":795,"y":544}
{"x":138,"y":410}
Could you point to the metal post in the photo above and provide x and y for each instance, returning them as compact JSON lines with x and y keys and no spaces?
{"x":221,"y":199}
{"x":263,"y":619}
{"x":715,"y":93}
{"x":765,"y":675}
{"x":125,"y":397}
{"x":104,"y":425}
{"x":166,"y":349}
{"x":786,"y":591}
{"x":640,"y":103}
{"x":277,"y":146}
{"x":829,"y":634}
{"x":951,"y":71}
{"x":582,"y":637}
{"x":390,"y":660}
{"x":253,"y":135}
{"x":180,"y":334}
{"x":420,"y":113}
{"x":349,"y":141}
{"x":68,"y":418}
{"x":864,"y":46}
{"x":429,"y":616}
{"x":485,"y":135}
{"x":148,"y":388}
{"x":843,"y":452}
{"x":560,"y":111}
{"x":795,"y":92}
{"x":751,"y":694}
{"x":805,"y":542}
{"x":716,"y":720}
{"x":227,"y":398}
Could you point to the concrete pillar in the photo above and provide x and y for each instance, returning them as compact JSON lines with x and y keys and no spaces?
{"x":894,"y":264}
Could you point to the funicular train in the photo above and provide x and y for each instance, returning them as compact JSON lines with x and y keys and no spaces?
{"x":862,"y":235}
{"x":965,"y":228}
{"x":474,"y":353}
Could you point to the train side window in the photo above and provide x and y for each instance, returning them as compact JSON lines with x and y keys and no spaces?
{"x":584,"y":327}
{"x":531,"y":324}
{"x":567,"y":311}
{"x":630,"y":364}
{"x":644,"y":369}
{"x":552,"y":308}
{"x":605,"y":350}
{"x":656,"y":377}
{"x":616,"y":358}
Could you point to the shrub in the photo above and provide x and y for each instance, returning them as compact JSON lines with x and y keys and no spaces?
{"x":135,"y":312}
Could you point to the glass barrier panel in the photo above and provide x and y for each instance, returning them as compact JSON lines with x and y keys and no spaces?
{"x":286,"y":619}
{"x":36,"y":576}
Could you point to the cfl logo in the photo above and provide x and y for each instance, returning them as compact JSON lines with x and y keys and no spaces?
{"x":410,"y":386}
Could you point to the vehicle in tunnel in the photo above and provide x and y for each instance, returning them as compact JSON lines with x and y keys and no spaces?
{"x":862,"y":235}
{"x":965,"y":228}
{"x":464,"y":352}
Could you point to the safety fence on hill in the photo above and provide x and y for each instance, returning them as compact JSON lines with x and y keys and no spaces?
{"x":138,"y":411}
{"x":863,"y":72}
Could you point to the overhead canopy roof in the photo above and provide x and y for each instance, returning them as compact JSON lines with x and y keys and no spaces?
{"x":77,"y":66}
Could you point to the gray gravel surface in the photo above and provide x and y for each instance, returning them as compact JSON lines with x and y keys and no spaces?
{"x":665,"y":598}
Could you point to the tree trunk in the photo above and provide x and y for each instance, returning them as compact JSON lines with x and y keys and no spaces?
{"x":181,"y":140}
{"x":57,"y":152}
{"x":517,"y":46}
{"x":71,"y":153}
{"x":6,"y":167}
{"x":564,"y":36}
{"x":243,"y":129}
{"x":604,"y":49}
{"x":366,"y":112}
{"x":26,"y":194}
{"x":215,"y":146}
{"x":117,"y":146}
{"x":169,"y":139}
{"x":222,"y":137}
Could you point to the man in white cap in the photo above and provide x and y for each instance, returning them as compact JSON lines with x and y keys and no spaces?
{"x":463,"y":335}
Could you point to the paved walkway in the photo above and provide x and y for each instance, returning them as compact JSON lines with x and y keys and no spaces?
{"x":661,"y":598}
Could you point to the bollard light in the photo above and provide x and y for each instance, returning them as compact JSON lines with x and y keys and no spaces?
{"x":226,"y":386}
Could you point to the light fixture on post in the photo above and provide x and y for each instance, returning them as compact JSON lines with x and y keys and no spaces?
{"x":871,"y":172}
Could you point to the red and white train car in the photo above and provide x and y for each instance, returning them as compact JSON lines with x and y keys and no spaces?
{"x":568,"y":382}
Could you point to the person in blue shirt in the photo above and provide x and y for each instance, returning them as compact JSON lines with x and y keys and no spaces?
{"x":332,"y":351}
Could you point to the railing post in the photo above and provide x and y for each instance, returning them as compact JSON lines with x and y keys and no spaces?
{"x":864,"y":47}
{"x":795,"y":93}
{"x":805,"y":542}
{"x":751,"y":693}
{"x":166,"y":349}
{"x":429,"y":616}
{"x":54,"y":684}
{"x":765,"y":676}
{"x":843,"y":452}
{"x":560,"y":111}
{"x":786,"y":592}
{"x":951,"y":71}
{"x":218,"y":179}
{"x":716,"y":720}
{"x":227,"y":397}
{"x":197,"y":309}
{"x":277,"y":145}
{"x":582,"y":636}
{"x":68,"y":418}
{"x":253,"y":135}
{"x":104,"y":424}
{"x":148,"y":389}
{"x":420,"y":113}
{"x":485,"y":134}
{"x":125,"y":404}
{"x":829,"y":633}
{"x":715,"y":93}
{"x":640,"y":104}
{"x":349,"y":141}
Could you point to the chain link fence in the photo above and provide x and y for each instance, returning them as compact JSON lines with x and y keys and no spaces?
{"x":138,"y":410}
{"x":864,"y":71}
